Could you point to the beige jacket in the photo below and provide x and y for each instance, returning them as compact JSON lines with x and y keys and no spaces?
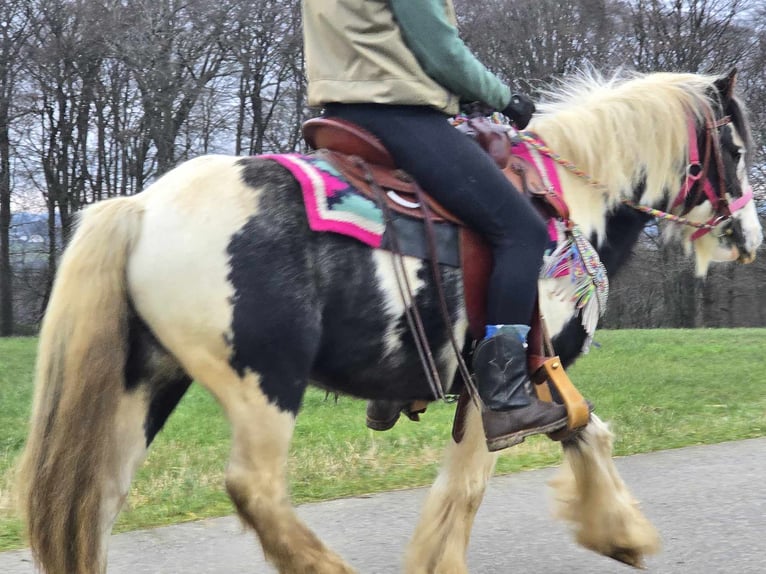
{"x":355,"y":53}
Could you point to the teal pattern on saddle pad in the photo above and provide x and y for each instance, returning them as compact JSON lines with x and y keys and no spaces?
{"x":332,"y":203}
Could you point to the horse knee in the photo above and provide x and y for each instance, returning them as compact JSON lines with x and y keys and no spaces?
{"x":255,"y":493}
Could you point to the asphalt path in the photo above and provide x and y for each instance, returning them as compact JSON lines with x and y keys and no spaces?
{"x":707,"y":502}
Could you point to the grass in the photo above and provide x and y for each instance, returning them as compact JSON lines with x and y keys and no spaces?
{"x":660,"y":389}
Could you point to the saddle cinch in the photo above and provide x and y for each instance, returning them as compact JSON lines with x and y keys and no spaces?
{"x":366,"y":163}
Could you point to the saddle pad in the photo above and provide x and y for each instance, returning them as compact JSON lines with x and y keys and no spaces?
{"x":334,"y":205}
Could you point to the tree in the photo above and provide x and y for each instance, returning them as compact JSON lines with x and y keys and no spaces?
{"x":173,"y":49}
{"x":266,"y":45}
{"x":535,"y":41}
{"x":687,"y":35}
{"x":14,"y":30}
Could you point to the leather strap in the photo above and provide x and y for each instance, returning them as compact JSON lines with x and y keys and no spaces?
{"x":476,"y":261}
{"x":458,"y":423}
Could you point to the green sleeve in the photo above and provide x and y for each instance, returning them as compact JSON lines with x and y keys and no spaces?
{"x":435,"y":43}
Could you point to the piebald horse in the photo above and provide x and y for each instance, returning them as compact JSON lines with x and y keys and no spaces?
{"x":212,"y":274}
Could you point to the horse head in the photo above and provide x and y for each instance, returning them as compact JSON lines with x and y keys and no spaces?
{"x":715,"y":191}
{"x":674,"y":146}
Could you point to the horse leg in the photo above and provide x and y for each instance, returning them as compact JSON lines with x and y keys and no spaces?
{"x":154,"y":384}
{"x":441,"y":538}
{"x":591,"y":495}
{"x":256,"y":475}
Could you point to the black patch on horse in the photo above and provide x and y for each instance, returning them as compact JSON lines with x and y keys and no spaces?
{"x":276,"y":308}
{"x":149,"y":365}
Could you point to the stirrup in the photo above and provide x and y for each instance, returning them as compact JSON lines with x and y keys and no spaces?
{"x":552,"y":374}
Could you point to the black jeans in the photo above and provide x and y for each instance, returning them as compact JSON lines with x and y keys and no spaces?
{"x":453,"y":168}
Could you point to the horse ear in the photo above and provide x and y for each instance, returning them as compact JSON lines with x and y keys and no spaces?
{"x":726,"y":85}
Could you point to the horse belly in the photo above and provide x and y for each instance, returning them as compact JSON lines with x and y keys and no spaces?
{"x":368,"y":349}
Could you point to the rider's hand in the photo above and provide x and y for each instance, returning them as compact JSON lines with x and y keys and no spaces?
{"x":476,"y":109}
{"x":519,"y":110}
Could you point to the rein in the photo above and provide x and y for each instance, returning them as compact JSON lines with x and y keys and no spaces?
{"x":695,"y":172}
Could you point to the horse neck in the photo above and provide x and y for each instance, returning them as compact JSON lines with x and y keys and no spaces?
{"x":647,"y":153}
{"x":623,"y":228}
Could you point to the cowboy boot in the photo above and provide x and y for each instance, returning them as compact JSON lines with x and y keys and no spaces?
{"x":382,"y":415}
{"x":511,"y":412}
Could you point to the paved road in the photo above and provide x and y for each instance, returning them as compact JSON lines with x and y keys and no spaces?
{"x":708,"y":502}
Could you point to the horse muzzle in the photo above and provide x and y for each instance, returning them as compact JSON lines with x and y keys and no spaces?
{"x":745,"y":244}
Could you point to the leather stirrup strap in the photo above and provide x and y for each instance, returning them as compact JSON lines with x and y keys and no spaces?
{"x":436,"y":272}
{"x":411,"y":311}
{"x":547,"y":373}
{"x":461,"y":411}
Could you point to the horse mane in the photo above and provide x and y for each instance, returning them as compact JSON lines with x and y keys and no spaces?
{"x":623,"y":131}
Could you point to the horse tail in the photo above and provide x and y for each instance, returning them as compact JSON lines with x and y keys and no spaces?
{"x":80,"y":367}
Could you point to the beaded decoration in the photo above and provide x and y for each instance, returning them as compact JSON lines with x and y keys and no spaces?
{"x":575,"y":258}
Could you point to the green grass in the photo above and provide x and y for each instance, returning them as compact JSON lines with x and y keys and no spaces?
{"x":660,"y":389}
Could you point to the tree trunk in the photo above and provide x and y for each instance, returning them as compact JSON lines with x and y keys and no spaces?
{"x":6,"y":281}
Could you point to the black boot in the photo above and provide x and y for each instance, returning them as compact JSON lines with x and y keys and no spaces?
{"x":382,"y":415}
{"x":510,"y":412}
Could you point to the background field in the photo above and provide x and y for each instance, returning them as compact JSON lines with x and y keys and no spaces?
{"x":659,"y":389}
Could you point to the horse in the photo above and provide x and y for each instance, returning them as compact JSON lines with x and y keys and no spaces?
{"x":212,"y":274}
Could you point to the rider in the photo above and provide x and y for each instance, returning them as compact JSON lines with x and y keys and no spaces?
{"x":399,"y":69}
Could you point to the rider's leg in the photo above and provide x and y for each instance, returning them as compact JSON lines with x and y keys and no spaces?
{"x":459,"y":175}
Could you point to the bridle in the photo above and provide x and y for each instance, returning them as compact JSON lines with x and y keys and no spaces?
{"x":696,"y":180}
{"x":698,"y":183}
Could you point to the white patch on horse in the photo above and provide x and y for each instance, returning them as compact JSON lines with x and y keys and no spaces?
{"x":394,"y":304}
{"x":707,"y":248}
{"x":555,"y":303}
{"x":748,"y":215}
{"x":182,"y":216}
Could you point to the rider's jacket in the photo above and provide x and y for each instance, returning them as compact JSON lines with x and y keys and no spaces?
{"x":392,"y":52}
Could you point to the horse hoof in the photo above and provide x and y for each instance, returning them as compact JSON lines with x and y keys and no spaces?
{"x":629,"y":556}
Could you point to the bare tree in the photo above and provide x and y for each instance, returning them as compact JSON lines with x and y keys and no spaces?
{"x":535,"y":41}
{"x":753,"y":82}
{"x":688,"y":35}
{"x":14,"y":30}
{"x":173,"y":49}
{"x":267,"y":47}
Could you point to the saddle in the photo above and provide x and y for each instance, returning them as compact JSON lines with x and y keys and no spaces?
{"x":360,"y":157}
{"x":369,"y":167}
